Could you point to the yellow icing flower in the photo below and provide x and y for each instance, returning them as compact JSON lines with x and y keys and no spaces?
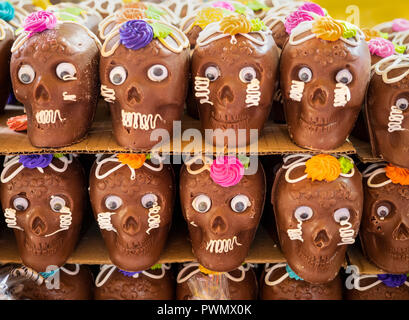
{"x":397,"y":175}
{"x":327,"y":28}
{"x":135,"y":161}
{"x":207,"y":271}
{"x":235,"y":24}
{"x":323,"y":167}
{"x":208,"y":15}
{"x":43,"y":4}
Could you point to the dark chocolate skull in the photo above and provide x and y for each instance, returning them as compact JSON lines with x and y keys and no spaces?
{"x":6,"y":41}
{"x":318,"y":67}
{"x":60,"y":112}
{"x":385,"y":225}
{"x":133,"y":236}
{"x":318,"y":257}
{"x":228,"y":69}
{"x":222,"y":221}
{"x":36,"y":199}
{"x":149,"y":86}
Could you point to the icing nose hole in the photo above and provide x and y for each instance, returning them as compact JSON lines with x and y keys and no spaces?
{"x":402,"y":232}
{"x":38,"y":226}
{"x":41,"y":93}
{"x":226,"y":94}
{"x":319,"y":96}
{"x":321,"y":239}
{"x":131,"y":226}
{"x":133,"y":95}
{"x":219,"y":225}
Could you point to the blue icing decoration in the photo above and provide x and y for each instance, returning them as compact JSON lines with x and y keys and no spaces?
{"x":46,"y":275}
{"x":292,"y":274}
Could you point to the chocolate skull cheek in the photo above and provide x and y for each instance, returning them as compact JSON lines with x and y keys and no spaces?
{"x":5,"y":46}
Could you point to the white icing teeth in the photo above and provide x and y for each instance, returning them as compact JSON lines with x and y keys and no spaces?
{"x":202,"y":89}
{"x":253,"y":93}
{"x":342,"y":95}
{"x":395,"y":120}
{"x":137,"y":120}
{"x":220,"y":246}
{"x":48,"y":116}
{"x":297,"y":90}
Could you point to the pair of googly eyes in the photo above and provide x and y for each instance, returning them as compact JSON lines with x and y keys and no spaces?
{"x":114,"y":202}
{"x":239,"y":203}
{"x":56,"y":203}
{"x":64,"y":71}
{"x":246,"y":75}
{"x":305,"y":213}
{"x":344,"y":76}
{"x":156,"y":73}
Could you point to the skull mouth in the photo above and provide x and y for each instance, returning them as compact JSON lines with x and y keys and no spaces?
{"x":399,"y":253}
{"x":43,"y":248}
{"x":228,"y":121}
{"x":321,"y":263}
{"x":217,"y":246}
{"x":324,"y":124}
{"x":135,"y":247}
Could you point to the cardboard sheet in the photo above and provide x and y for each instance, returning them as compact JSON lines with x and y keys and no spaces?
{"x":356,"y":257}
{"x":364,"y":151}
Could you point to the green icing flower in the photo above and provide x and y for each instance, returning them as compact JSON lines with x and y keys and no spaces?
{"x":384,"y":35}
{"x":148,"y":156}
{"x":66,"y":17}
{"x":346,"y":165}
{"x":160,"y":30}
{"x":154,"y":13}
{"x":348,"y":32}
{"x":245,"y":161}
{"x":157,"y":267}
{"x":256,"y":5}
{"x":400,"y":49}
{"x":58,"y":155}
{"x":257,"y":25}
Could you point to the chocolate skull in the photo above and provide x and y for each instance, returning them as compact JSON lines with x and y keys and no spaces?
{"x":158,"y":284}
{"x":6,"y":41}
{"x":44,"y":204}
{"x":233,"y":75}
{"x":323,"y":82}
{"x":318,"y":207}
{"x":385,"y":223}
{"x":196,"y":283}
{"x":144,"y":80}
{"x":397,"y":31}
{"x":278,"y":284}
{"x":133,"y":208}
{"x":55,"y":76}
{"x":222,"y":220}
{"x":386,"y":113}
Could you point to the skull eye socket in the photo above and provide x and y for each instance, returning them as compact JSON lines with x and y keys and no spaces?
{"x":113,"y":202}
{"x":402,"y":104}
{"x":149,"y":200}
{"x":247,"y":74}
{"x":57,"y":203}
{"x":157,"y":73}
{"x":26,"y":74}
{"x":344,"y":76}
{"x":65,"y":71}
{"x":202,"y":203}
{"x":118,"y":75}
{"x":20,"y":204}
{"x":240,"y":203}
{"x":383,"y":210}
{"x":305,"y":74}
{"x":342,"y":214}
{"x":303,"y":213}
{"x":212,"y":73}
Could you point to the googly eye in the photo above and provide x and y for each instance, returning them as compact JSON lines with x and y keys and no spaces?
{"x":57,"y":203}
{"x":26,"y":74}
{"x":247,"y":74}
{"x":113,"y":202}
{"x":202,"y":203}
{"x":65,"y":70}
{"x":212,"y":73}
{"x":157,"y":73}
{"x":383,"y":211}
{"x":118,"y":75}
{"x":305,"y":74}
{"x":341,"y":215}
{"x":344,"y":76}
{"x":149,"y":200}
{"x":20,"y":204}
{"x":402,"y":104}
{"x":303,"y":213}
{"x":240,"y":203}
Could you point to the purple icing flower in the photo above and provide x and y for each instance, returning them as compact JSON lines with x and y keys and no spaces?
{"x":33,"y":161}
{"x":136,"y":34}
{"x":312,"y":7}
{"x":128,"y":274}
{"x":393,"y":280}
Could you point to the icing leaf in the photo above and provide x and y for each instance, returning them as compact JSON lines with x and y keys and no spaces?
{"x":58,"y":155}
{"x":256,"y":5}
{"x":346,"y":165}
{"x":323,"y":167}
{"x":148,"y":156}
{"x":348,"y":32}
{"x":160,"y":30}
{"x":157,"y":266}
{"x":154,"y":13}
{"x":239,"y":8}
{"x":257,"y":25}
{"x":66,"y":17}
{"x":245,"y":161}
{"x":400,"y":49}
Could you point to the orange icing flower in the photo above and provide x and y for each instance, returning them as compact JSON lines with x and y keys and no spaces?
{"x":397,"y":175}
{"x":208,"y":15}
{"x":130,"y":14}
{"x":323,"y":167}
{"x":327,"y":28}
{"x":371,"y":34}
{"x":235,"y":24}
{"x":207,"y":271}
{"x":135,"y":161}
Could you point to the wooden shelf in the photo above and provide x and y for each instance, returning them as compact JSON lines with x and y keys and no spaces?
{"x":364,"y":151}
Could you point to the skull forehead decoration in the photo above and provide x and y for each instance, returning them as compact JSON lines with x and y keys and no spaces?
{"x":318,"y":207}
{"x":6,"y":41}
{"x":54,"y":73}
{"x":279,"y":282}
{"x":387,"y":113}
{"x":195,"y":282}
{"x":385,"y":224}
{"x":154,"y":284}
{"x":43,"y":198}
{"x":141,"y":59}
{"x":14,"y":15}
{"x":234,"y":69}
{"x":396,"y":31}
{"x":325,"y":70}
{"x":222,"y":207}
{"x":132,"y":200}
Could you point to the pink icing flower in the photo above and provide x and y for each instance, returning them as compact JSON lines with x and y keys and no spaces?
{"x":312,"y":7}
{"x":226,"y":171}
{"x":295,"y":18}
{"x":400,"y":25}
{"x":381,"y":47}
{"x":39,"y":21}
{"x":223,"y":5}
